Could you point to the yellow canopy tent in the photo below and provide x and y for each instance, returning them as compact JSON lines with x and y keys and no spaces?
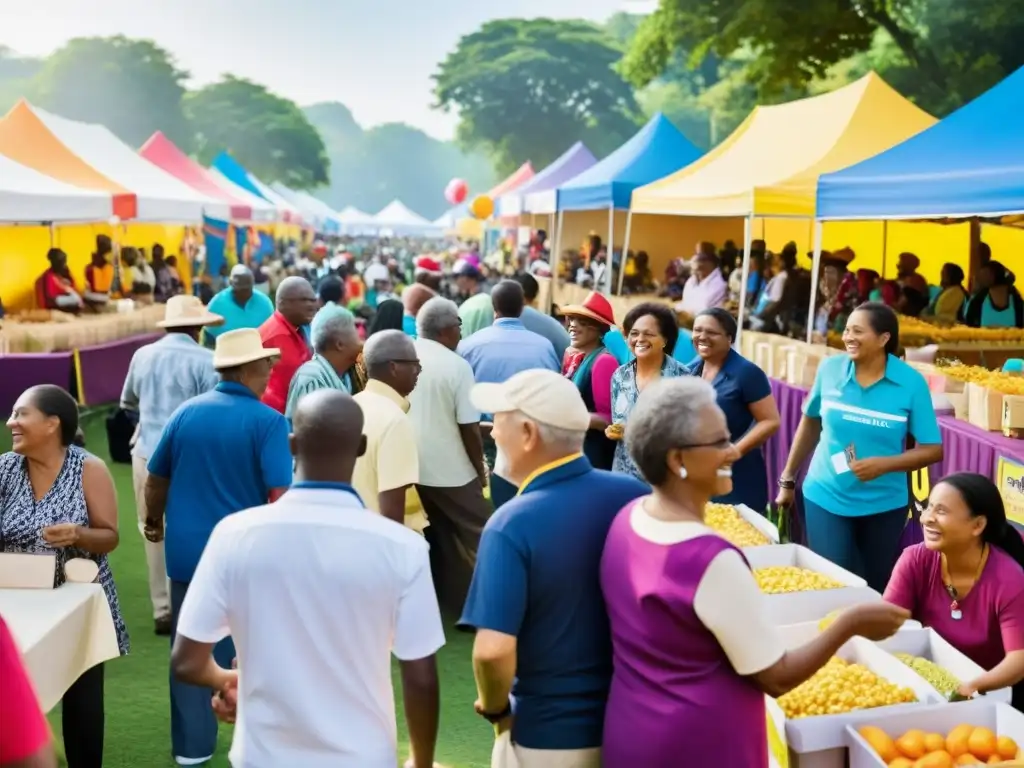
{"x":769,"y":167}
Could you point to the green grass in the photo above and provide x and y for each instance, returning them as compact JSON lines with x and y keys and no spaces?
{"x":137,"y":707}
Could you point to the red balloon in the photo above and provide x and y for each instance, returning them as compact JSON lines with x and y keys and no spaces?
{"x":456,"y":191}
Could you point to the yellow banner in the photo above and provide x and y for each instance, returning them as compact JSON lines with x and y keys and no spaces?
{"x":1011,"y":486}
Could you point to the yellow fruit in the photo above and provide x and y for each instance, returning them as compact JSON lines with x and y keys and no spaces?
{"x":1006,"y":748}
{"x":881,"y":742}
{"x":982,"y":743}
{"x":956,"y":740}
{"x":727,"y":522}
{"x":840,"y":687}
{"x":784,"y":579}
{"x":911,"y":744}
{"x":901,"y":762}
{"x":940,"y":679}
{"x":935,"y":760}
{"x":934,"y":742}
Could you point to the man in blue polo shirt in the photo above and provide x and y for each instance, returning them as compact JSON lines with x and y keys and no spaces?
{"x":543,"y":654}
{"x":239,"y":304}
{"x":221,"y":452}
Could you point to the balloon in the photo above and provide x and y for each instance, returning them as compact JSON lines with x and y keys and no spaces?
{"x":456,"y":191}
{"x":482,"y":207}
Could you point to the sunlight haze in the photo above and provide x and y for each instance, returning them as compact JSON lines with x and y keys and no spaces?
{"x":375,"y":57}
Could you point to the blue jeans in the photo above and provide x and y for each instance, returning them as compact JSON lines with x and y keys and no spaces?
{"x":867,"y":546}
{"x":193,"y":724}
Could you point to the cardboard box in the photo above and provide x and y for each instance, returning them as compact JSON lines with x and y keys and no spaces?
{"x":822,"y":741}
{"x":801,"y":368}
{"x":960,"y":404}
{"x":1013,"y":414}
{"x":928,"y":644}
{"x":799,"y":607}
{"x":1001,"y":719}
{"x":985,"y":407}
{"x":762,"y":523}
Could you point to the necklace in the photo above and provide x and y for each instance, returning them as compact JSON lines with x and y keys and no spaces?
{"x":954,"y":606}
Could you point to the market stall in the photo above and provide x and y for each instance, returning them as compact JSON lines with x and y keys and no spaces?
{"x":397,"y":220}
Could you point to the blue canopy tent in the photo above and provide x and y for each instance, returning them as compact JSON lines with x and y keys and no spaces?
{"x":657,"y":150}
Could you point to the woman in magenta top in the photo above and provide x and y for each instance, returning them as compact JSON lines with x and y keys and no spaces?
{"x":966,"y":581}
{"x":694,"y":648}
{"x":24,"y":735}
{"x":590,"y":366}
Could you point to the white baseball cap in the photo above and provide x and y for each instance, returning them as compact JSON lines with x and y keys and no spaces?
{"x":544,"y":396}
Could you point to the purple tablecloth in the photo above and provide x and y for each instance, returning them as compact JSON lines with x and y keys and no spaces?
{"x":19,"y":372}
{"x":102,"y":368}
{"x":967,"y":449}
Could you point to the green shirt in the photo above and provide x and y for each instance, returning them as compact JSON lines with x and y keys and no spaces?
{"x":311,"y":376}
{"x":476,"y":314}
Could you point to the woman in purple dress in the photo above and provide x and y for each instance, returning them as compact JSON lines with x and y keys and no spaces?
{"x":695,"y":651}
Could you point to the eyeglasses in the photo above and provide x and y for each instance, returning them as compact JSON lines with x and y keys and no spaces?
{"x":417,"y":363}
{"x":720,"y":444}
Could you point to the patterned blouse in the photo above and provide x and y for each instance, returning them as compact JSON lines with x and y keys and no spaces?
{"x":22,"y":518}
{"x":624,"y":395}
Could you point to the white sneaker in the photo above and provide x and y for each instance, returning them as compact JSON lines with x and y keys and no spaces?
{"x":192,"y":760}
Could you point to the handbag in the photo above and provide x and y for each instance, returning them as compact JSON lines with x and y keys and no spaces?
{"x":121,"y":427}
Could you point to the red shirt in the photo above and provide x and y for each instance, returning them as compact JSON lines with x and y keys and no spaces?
{"x":278,"y":333}
{"x":25,"y":731}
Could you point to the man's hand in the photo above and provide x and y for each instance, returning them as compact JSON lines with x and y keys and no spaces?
{"x":154,"y":529}
{"x":62,"y":535}
{"x":225,"y":701}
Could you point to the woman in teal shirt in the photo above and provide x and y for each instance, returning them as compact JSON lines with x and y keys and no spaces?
{"x":862,"y":411}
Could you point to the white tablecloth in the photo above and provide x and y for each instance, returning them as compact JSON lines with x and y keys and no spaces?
{"x":61,"y":633}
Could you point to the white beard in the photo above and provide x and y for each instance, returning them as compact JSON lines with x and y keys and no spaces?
{"x":501,"y":468}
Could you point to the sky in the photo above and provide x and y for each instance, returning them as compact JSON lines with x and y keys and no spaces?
{"x":374,"y":56}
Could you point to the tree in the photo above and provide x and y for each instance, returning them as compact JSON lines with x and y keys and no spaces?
{"x":527,"y":89}
{"x":131,"y":86}
{"x":266,"y":133}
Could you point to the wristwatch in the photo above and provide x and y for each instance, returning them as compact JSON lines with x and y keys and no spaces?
{"x":498,"y":716}
{"x":787,"y":483}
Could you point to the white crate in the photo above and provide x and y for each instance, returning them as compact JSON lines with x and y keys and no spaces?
{"x":760,"y":522}
{"x":1001,"y":719}
{"x":798,"y":607}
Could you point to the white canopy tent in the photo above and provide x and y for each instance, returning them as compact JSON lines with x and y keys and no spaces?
{"x":288,"y":211}
{"x":356,"y":222}
{"x":314,"y":210}
{"x":398,"y":219}
{"x":27,"y":196}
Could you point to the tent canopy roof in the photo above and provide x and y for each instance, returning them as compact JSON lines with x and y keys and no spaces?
{"x":396,"y":214}
{"x":970,"y":164}
{"x":237,"y":174}
{"x":770,"y":165}
{"x":519,"y":177}
{"x":352,"y":215}
{"x":656,"y":150}
{"x":165,"y":154}
{"x":29,"y":196}
{"x":573,"y":162}
{"x":90,"y":156}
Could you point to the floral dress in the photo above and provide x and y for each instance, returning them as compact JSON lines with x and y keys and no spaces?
{"x":22,"y":518}
{"x":624,"y":395}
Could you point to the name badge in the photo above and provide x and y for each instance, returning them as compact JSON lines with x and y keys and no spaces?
{"x":840,"y":462}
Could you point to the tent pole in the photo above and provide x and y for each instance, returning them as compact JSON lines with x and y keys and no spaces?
{"x":625,"y":249}
{"x":974,"y":256}
{"x":815,"y":272}
{"x":748,"y":236}
{"x":885,"y":245}
{"x":556,"y":257}
{"x":611,"y":251}
{"x":53,"y":235}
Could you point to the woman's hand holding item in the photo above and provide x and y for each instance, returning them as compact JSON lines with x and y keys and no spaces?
{"x":61,"y":535}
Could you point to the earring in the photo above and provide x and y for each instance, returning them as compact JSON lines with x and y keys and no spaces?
{"x":683,"y":474}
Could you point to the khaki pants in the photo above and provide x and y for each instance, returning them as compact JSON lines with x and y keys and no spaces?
{"x":508,"y":755}
{"x":159,"y":593}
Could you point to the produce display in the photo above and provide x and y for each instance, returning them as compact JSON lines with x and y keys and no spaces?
{"x":964,"y":745}
{"x":728,"y":522}
{"x":839,"y":687}
{"x":784,"y":579}
{"x":915,"y":332}
{"x":1006,"y":383}
{"x":939,"y":678}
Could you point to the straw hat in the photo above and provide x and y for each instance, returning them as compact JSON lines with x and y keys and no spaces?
{"x":187,"y":312}
{"x":239,"y":347}
{"x":595,"y":306}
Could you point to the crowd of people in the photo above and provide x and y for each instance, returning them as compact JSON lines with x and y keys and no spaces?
{"x":320,"y":480}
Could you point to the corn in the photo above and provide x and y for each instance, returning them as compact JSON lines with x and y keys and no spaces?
{"x":938,"y":677}
{"x":727,"y":522}
{"x":778,"y":580}
{"x":840,"y":687}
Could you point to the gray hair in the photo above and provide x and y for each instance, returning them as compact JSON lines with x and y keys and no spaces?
{"x":436,"y":316}
{"x":386,"y":347}
{"x":669,"y":414}
{"x":331,"y":329}
{"x":569,"y":439}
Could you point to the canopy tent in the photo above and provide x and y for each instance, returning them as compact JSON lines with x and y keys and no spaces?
{"x":452,"y":216}
{"x":656,"y":150}
{"x":314,"y":210}
{"x":90,"y":156}
{"x":573,"y":161}
{"x":165,"y":154}
{"x":236,"y":173}
{"x":397,"y":218}
{"x":970,"y":164}
{"x":356,"y":222}
{"x":770,"y":165}
{"x":520,"y":176}
{"x":262,"y":209}
{"x":27,"y":196}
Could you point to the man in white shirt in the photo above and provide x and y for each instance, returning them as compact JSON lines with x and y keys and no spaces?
{"x":706,"y":288}
{"x":451,"y":456}
{"x":317,"y":592}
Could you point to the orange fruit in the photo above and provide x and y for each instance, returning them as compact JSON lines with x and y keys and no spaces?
{"x":902,"y":762}
{"x":956,"y":740}
{"x":881,"y":742}
{"x":911,"y":744}
{"x":967,"y":759}
{"x":982,"y":743}
{"x":1006,"y":748}
{"x":995,"y":760}
{"x":934,"y":742}
{"x":935,"y":760}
